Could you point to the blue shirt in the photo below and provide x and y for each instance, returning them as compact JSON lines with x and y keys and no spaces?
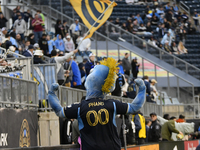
{"x":51,"y":43}
{"x":76,"y":74}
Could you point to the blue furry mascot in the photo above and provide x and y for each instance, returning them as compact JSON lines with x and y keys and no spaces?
{"x":96,"y":116}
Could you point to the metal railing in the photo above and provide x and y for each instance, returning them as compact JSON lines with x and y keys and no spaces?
{"x":17,"y":93}
{"x":55,"y":14}
{"x":184,"y":7}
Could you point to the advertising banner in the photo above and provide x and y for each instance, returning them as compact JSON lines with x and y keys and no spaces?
{"x":18,"y":128}
{"x":150,"y":147}
{"x":191,"y":145}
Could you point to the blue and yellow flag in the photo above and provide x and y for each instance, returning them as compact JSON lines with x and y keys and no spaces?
{"x":90,"y":10}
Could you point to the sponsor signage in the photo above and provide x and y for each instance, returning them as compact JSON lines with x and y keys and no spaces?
{"x":191,"y":145}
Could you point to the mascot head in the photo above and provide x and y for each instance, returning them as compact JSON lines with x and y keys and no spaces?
{"x":101,"y":80}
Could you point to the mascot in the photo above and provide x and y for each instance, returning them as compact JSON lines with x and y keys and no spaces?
{"x":96,"y":116}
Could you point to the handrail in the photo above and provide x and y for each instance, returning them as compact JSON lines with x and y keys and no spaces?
{"x":183,"y":6}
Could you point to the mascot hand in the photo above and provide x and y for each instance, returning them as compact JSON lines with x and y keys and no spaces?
{"x":54,"y":87}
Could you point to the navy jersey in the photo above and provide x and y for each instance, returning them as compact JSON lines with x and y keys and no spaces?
{"x":96,"y":118}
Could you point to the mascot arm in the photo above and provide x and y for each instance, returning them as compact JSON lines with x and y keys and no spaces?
{"x":54,"y":101}
{"x":138,"y":102}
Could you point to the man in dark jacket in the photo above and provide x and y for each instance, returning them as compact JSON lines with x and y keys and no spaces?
{"x":43,"y":44}
{"x":90,"y":64}
{"x":155,"y":129}
{"x":126,"y":64}
{"x":37,"y":57}
{"x":29,"y":52}
{"x":3,"y":21}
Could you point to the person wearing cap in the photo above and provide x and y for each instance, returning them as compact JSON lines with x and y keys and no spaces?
{"x":44,"y":44}
{"x":135,"y":67}
{"x":20,"y":26}
{"x":69,"y":44}
{"x":3,"y":34}
{"x":37,"y":57}
{"x":90,"y":64}
{"x":29,"y":52}
{"x":59,"y":60}
{"x":75,"y":30}
{"x":181,"y":119}
{"x":36,"y":46}
{"x":155,"y":129}
{"x":154,"y":92}
{"x":167,"y":129}
{"x":3,"y":21}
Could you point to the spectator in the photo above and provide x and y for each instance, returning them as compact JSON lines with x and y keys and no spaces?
{"x":3,"y":21}
{"x":167,"y":129}
{"x":160,"y":11}
{"x":37,"y":26}
{"x":43,"y":43}
{"x":31,"y":38}
{"x":154,"y":92}
{"x":75,"y":30}
{"x":152,"y":41}
{"x":37,"y":57}
{"x":142,"y":28}
{"x":60,"y":43}
{"x":126,"y":64}
{"x":154,"y":20}
{"x":155,"y":129}
{"x":196,"y":18}
{"x":182,"y":34}
{"x":27,"y":15}
{"x":18,"y":14}
{"x":69,"y":44}
{"x":121,"y":69}
{"x":167,"y":6}
{"x":124,"y":27}
{"x":58,"y":28}
{"x":40,"y":15}
{"x":167,"y":47}
{"x":20,"y":26}
{"x":169,"y":16}
{"x":90,"y":64}
{"x":184,"y":17}
{"x":13,"y":33}
{"x":117,"y":22}
{"x":147,"y":84}
{"x":29,"y":51}
{"x":84,"y":45}
{"x":161,"y":31}
{"x":140,"y":128}
{"x":59,"y":60}
{"x":51,"y":45}
{"x":119,"y":83}
{"x":135,"y":67}
{"x":68,"y":73}
{"x":148,"y":124}
{"x":174,"y":24}
{"x":149,"y":29}
{"x":76,"y":78}
{"x":174,"y":48}
{"x":6,"y":43}
{"x":166,"y":38}
{"x":167,"y":24}
{"x":181,"y":119}
{"x":20,"y":44}
{"x":83,"y":73}
{"x":181,"y":48}
{"x":27,"y":43}
{"x":36,"y":46}
{"x":166,"y":116}
{"x":3,"y":34}
{"x":65,"y":28}
{"x":139,"y":19}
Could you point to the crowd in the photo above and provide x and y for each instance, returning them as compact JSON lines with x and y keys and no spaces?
{"x":166,"y":26}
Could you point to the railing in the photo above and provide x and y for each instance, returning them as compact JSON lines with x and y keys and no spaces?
{"x":17,"y":93}
{"x":184,"y":7}
{"x":55,"y":14}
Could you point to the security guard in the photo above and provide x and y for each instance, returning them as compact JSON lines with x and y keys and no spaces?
{"x":155,"y":129}
{"x":140,"y":128}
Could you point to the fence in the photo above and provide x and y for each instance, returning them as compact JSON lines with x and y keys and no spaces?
{"x":16,"y":92}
